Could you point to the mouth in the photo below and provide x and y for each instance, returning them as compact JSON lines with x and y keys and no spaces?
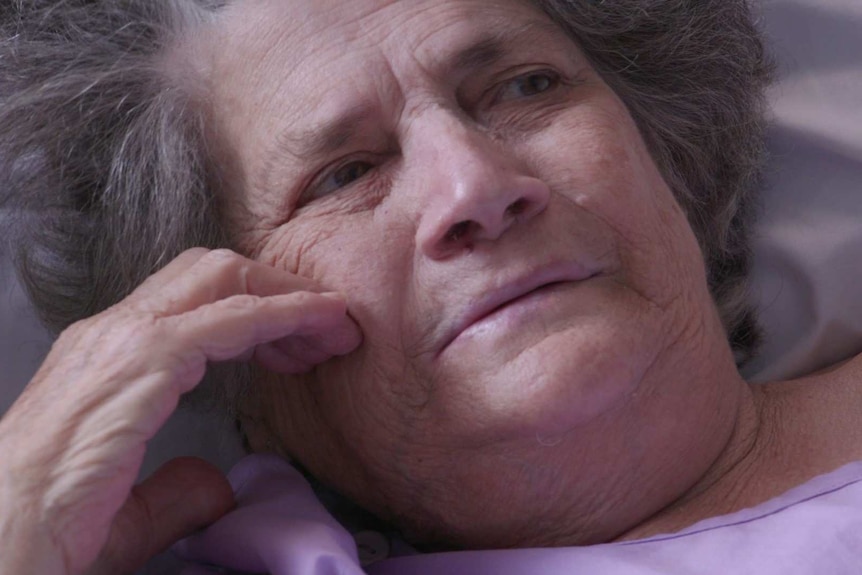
{"x":496,"y":300}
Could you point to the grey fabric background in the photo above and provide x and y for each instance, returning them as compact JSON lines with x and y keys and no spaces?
{"x":22,"y":341}
{"x":807,"y":255}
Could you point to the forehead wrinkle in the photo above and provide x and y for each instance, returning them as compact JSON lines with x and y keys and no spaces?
{"x":483,"y":54}
{"x":483,"y":46}
{"x":483,"y":50}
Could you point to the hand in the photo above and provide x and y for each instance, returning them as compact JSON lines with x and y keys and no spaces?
{"x":72,"y":445}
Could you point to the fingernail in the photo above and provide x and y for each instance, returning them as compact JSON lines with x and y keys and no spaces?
{"x":334,"y":295}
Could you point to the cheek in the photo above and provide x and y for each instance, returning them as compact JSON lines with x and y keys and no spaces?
{"x":350,"y":255}
{"x":597,"y":159}
{"x":353,"y":423}
{"x":367,"y":258}
{"x":587,"y":364}
{"x":370,"y":264}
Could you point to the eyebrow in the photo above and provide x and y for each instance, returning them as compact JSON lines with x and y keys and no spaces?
{"x":483,"y":54}
{"x":324,"y":139}
{"x":310,"y":144}
{"x":494,"y":47}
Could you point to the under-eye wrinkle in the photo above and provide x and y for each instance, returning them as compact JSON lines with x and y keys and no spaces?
{"x":340,"y":176}
{"x":364,"y":193}
{"x":532,"y":112}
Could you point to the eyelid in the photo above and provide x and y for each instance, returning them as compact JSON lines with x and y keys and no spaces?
{"x":496,"y":90}
{"x":310,"y":193}
{"x":495,"y":82}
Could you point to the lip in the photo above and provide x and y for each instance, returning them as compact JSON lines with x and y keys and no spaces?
{"x":497,"y":297}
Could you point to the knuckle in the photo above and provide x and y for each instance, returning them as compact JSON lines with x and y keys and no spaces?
{"x":302,"y":298}
{"x":242,"y":303}
{"x":138,"y":334}
{"x":124,"y":324}
{"x":223,"y":263}
{"x":194,"y":253}
{"x":108,"y":346}
{"x":77,"y":329}
{"x":222,"y":256}
{"x":87,"y":329}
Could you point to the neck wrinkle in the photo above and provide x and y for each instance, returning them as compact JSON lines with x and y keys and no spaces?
{"x":726,"y":486}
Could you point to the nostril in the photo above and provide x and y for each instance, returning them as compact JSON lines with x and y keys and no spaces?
{"x":458,"y":231}
{"x":517,"y":207}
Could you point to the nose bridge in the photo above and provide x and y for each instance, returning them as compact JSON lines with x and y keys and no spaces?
{"x":470,"y":159}
{"x":474,"y":189}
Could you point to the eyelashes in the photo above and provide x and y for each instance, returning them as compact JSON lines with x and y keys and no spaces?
{"x":340,"y":175}
{"x":525,"y":86}
{"x":343,"y":176}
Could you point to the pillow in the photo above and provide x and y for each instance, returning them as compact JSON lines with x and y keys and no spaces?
{"x":807,"y":267}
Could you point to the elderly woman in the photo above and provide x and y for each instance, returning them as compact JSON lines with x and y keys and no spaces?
{"x":485,"y":279}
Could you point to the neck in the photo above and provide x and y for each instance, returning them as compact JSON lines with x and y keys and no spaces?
{"x":785,"y":434}
{"x":735,"y":480}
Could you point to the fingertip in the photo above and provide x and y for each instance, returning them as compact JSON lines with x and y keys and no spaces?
{"x":272,"y":358}
{"x":346,"y":338}
{"x":334,"y":295}
{"x":337,"y":297}
{"x":183,"y":496}
{"x":204,"y":489}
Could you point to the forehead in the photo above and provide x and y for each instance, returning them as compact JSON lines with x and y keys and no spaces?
{"x":306,"y":27}
{"x":277,"y":45}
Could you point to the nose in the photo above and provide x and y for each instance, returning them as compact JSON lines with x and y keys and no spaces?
{"x":475,"y":191}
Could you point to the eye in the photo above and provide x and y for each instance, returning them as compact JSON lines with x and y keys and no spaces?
{"x":527,"y":86}
{"x":341,"y":177}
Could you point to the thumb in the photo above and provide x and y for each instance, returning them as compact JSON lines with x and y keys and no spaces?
{"x":181,"y":497}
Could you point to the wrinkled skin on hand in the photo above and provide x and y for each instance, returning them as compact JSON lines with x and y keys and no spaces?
{"x":73,"y":443}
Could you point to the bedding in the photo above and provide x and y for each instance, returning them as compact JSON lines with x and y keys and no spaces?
{"x":807,"y":269}
{"x":282,"y":529}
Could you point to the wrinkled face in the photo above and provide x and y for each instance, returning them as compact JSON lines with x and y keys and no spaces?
{"x":540,"y":350}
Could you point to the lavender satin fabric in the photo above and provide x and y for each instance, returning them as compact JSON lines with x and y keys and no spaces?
{"x":281,"y":528}
{"x":278,"y":527}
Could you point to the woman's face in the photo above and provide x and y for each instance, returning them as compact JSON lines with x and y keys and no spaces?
{"x":541,"y":354}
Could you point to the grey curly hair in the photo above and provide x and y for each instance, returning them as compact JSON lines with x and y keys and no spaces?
{"x":109,"y":174}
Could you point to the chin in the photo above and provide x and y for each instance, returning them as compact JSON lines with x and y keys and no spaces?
{"x":556,"y":385}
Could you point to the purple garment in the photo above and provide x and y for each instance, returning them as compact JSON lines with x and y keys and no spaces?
{"x":278,"y":527}
{"x":281,"y":528}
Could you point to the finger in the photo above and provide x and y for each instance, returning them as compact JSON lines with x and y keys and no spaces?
{"x":280,"y":362}
{"x":298,"y":358}
{"x":339,"y":339}
{"x":183,"y":496}
{"x":305,"y":347}
{"x":226,"y":329}
{"x":299,"y":354}
{"x":220,"y":274}
{"x":156,"y":282}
